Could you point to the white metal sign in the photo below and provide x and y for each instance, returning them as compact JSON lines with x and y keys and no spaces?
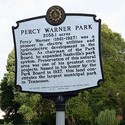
{"x":62,"y":58}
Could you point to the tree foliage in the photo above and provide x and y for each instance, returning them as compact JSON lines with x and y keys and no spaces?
{"x":110,"y":94}
{"x":21,"y":107}
{"x":107,"y":117}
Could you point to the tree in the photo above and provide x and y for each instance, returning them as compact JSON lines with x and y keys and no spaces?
{"x":78,"y":110}
{"x":107,"y":117}
{"x":22,"y":106}
{"x":36,"y":109}
{"x":110,"y":94}
{"x":8,"y":103}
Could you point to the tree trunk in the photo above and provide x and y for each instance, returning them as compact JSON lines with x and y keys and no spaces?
{"x":71,"y":121}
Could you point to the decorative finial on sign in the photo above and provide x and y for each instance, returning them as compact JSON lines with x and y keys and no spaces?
{"x":55,"y":15}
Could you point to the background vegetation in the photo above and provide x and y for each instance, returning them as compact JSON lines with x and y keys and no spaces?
{"x":87,"y":108}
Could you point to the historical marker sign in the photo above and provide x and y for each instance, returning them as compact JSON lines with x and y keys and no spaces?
{"x":58,"y":57}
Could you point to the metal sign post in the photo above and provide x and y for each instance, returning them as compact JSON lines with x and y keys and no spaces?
{"x":58,"y":55}
{"x":60,"y":110}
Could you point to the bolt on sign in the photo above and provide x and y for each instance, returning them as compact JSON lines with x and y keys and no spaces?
{"x":58,"y":52}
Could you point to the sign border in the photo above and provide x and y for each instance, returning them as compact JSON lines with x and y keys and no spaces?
{"x":55,"y":94}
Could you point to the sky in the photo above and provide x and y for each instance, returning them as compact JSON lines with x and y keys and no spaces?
{"x":111,"y":12}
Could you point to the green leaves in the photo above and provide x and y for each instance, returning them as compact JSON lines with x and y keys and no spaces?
{"x":107,"y":117}
{"x":11,"y":62}
{"x":78,"y":108}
